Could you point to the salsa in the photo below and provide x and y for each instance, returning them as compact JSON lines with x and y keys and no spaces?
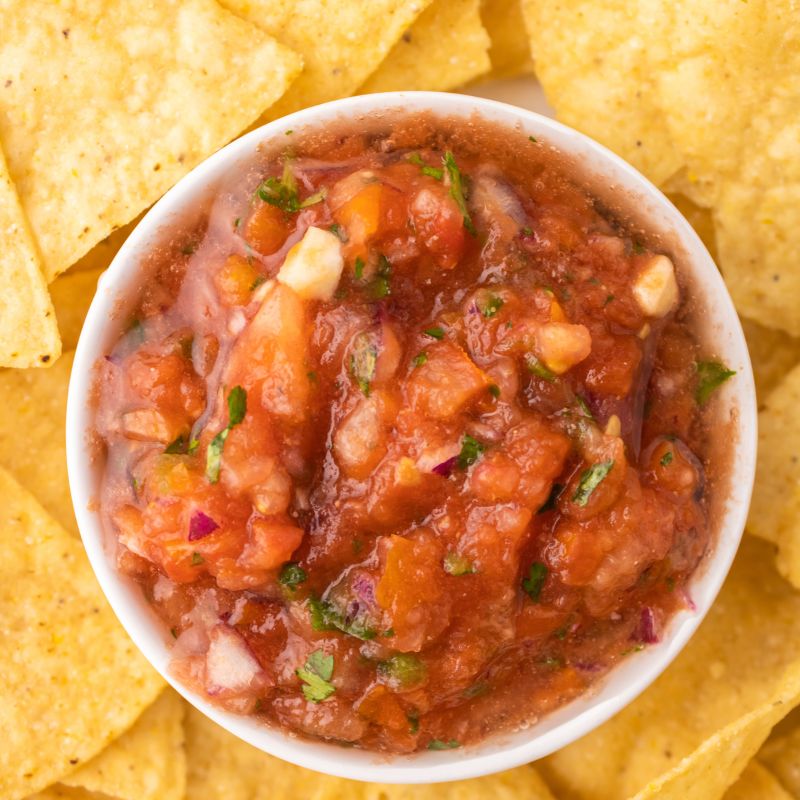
{"x":406,"y":440}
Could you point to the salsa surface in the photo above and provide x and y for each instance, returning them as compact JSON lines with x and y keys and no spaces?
{"x":405,"y":441}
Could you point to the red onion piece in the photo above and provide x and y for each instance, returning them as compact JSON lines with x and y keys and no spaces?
{"x":200,"y":526}
{"x":446,"y":467}
{"x":646,"y":630}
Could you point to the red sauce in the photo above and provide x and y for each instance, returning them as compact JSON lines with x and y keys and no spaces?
{"x":435,"y":504}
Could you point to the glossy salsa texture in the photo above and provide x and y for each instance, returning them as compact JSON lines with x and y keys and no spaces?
{"x":404,"y":441}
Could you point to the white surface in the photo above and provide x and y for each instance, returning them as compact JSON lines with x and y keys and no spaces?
{"x":117,"y":291}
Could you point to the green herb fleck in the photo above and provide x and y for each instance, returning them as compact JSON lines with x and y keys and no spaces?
{"x":197,"y":559}
{"x":636,"y":649}
{"x":638,"y":248}
{"x":174,"y":633}
{"x":237,"y":408}
{"x":493,"y":306}
{"x":552,"y":498}
{"x":537,"y":574}
{"x":420,"y":359}
{"x":609,"y":299}
{"x":358,"y":270}
{"x":316,"y":674}
{"x":403,"y":670}
{"x":471,"y":450}
{"x":584,"y":407}
{"x":710,"y":376}
{"x":292,"y":575}
{"x":189,"y":249}
{"x":538,"y":369}
{"x":457,"y":190}
{"x":338,"y":231}
{"x":324,"y":617}
{"x":380,"y":287}
{"x":666,"y":459}
{"x":363,"y":362}
{"x":257,"y":282}
{"x":476,"y":690}
{"x":590,"y":479}
{"x":494,"y":390}
{"x":282,"y":192}
{"x":388,"y":633}
{"x":413,"y":721}
{"x":533,"y":139}
{"x":179,"y":446}
{"x":527,"y":231}
{"x":236,"y":223}
{"x":670,"y":582}
{"x":456,"y":564}
{"x":433,"y":172}
{"x":435,"y":333}
{"x":438,"y":744}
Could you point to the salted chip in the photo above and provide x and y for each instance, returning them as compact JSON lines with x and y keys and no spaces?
{"x":718,"y":762}
{"x":147,"y":762}
{"x":734,"y":665}
{"x":757,"y":783}
{"x":773,"y":354}
{"x":32,"y":435}
{"x":60,"y":792}
{"x":70,"y":679}
{"x":72,"y":295}
{"x":341,"y":41}
{"x":221,"y":765}
{"x":781,"y":755}
{"x":510,"y":51}
{"x":101,"y":255}
{"x":28,"y":332}
{"x":593,"y":58}
{"x":129,"y":98}
{"x":446,"y":47}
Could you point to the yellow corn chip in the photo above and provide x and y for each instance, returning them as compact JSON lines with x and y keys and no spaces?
{"x":781,"y":755}
{"x":773,"y":354}
{"x":70,"y":679}
{"x":147,"y":762}
{"x":718,"y":762}
{"x":757,"y":783}
{"x":72,"y":295}
{"x":28,"y":333}
{"x":446,"y":47}
{"x":61,"y":792}
{"x":108,"y":102}
{"x":101,"y":255}
{"x":341,"y":41}
{"x":237,"y":771}
{"x":32,"y":435}
{"x":510,"y":52}
{"x":734,"y":666}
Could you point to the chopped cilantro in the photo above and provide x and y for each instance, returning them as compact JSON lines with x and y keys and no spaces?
{"x":494,"y":390}
{"x":193,"y":445}
{"x":312,"y":376}
{"x":288,"y":133}
{"x":435,"y":333}
{"x":533,"y":139}
{"x":236,"y":223}
{"x":562,"y":632}
{"x":710,"y":376}
{"x":237,"y":408}
{"x":257,"y":282}
{"x":179,"y":446}
{"x":538,"y":369}
{"x":590,"y":479}
{"x":292,"y":575}
{"x":403,"y":670}
{"x":433,"y":172}
{"x":174,"y":633}
{"x":670,"y":582}
{"x":338,"y":232}
{"x":282,"y":192}
{"x":537,"y":574}
{"x":457,"y":190}
{"x":609,"y":298}
{"x":363,"y":361}
{"x":470,"y":451}
{"x":638,"y":248}
{"x":456,"y":564}
{"x":388,"y":633}
{"x":380,"y":287}
{"x":527,"y":230}
{"x":324,"y":617}
{"x":438,"y":744}
{"x":420,"y":359}
{"x":189,"y":249}
{"x":636,"y":649}
{"x":358,"y":270}
{"x":316,"y":674}
{"x":666,"y":459}
{"x":552,"y":499}
{"x":584,"y":407}
{"x":476,"y":690}
{"x":197,"y":559}
{"x":493,"y":306}
{"x":413,"y":721}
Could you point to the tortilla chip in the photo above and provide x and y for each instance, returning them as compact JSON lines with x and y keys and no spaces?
{"x":101,"y":255}
{"x":757,"y":783}
{"x":70,"y":679}
{"x":734,"y":666}
{"x":781,"y":755}
{"x":32,"y":435}
{"x":718,"y":762}
{"x":341,"y":41}
{"x":60,"y":792}
{"x":147,"y":762}
{"x":237,"y":771}
{"x":28,"y":333}
{"x":702,"y":96}
{"x":776,"y":496}
{"x":510,"y":51}
{"x":129,"y":98}
{"x":773,"y":354}
{"x":446,"y":47}
{"x":72,"y":295}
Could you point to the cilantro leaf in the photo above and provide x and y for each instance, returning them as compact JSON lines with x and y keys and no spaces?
{"x":666,"y":459}
{"x":316,"y":674}
{"x":710,"y":376}
{"x":537,"y":574}
{"x":438,"y":744}
{"x":494,"y":304}
{"x":425,"y":169}
{"x":420,"y":359}
{"x":538,"y":369}
{"x":283,"y":194}
{"x":178,"y":447}
{"x":292,"y":575}
{"x":457,"y":190}
{"x":237,"y":408}
{"x":403,"y":670}
{"x":324,"y":617}
{"x":590,"y":479}
{"x":436,"y":332}
{"x":471,"y":450}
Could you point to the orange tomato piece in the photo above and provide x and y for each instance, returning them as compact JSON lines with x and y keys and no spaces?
{"x":266,"y":229}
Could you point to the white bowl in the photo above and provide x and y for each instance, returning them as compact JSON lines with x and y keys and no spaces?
{"x":117,"y":291}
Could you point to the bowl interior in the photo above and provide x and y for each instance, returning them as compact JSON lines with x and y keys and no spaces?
{"x":610,"y":178}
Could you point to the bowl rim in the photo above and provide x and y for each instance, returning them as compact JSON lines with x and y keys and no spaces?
{"x":501,"y":751}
